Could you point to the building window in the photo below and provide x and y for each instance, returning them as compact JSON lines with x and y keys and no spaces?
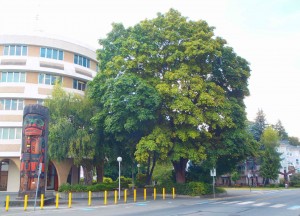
{"x":49,"y":79}
{"x":46,"y":52}
{"x":10,"y":133}
{"x":11,"y":104}
{"x":297,"y":161}
{"x":81,"y":60}
{"x":15,"y":50}
{"x":16,"y":77}
{"x":80,"y":85}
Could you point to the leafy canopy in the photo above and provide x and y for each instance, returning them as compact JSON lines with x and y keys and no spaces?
{"x":196,"y":96}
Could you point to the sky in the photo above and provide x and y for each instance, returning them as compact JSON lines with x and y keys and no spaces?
{"x":266,"y":33}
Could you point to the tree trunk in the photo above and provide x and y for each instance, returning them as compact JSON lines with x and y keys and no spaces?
{"x":87,"y":172}
{"x":100,"y":171}
{"x":179,"y":167}
{"x":150,"y":170}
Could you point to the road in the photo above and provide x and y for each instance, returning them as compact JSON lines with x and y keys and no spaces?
{"x":284,"y":202}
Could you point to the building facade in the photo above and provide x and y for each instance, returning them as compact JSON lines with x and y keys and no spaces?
{"x":290,"y":159}
{"x":29,"y":67}
{"x":249,"y":170}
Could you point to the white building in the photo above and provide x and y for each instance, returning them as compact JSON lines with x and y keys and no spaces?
{"x":290,"y":156}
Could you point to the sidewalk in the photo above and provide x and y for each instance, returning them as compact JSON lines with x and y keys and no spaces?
{"x":230,"y":192}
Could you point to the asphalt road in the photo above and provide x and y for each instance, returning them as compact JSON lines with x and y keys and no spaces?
{"x":283,"y":202}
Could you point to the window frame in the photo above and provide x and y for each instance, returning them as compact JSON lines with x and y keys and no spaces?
{"x":82,"y":60}
{"x":6,"y":75}
{"x":15,"y":50}
{"x":51,"y":53}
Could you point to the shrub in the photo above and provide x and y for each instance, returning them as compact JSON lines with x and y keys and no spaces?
{"x":295,"y":179}
{"x":191,"y":188}
{"x":79,"y":188}
{"x":64,"y":188}
{"x":140,"y":180}
{"x":124,"y":181}
{"x":85,"y":188}
{"x":107,"y":180}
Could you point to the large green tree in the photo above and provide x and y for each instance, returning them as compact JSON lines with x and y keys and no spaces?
{"x":70,"y":131}
{"x":200,"y":81}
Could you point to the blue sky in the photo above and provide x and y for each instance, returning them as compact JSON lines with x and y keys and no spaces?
{"x":266,"y":33}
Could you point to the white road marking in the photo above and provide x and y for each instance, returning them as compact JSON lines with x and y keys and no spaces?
{"x":261,"y":204}
{"x":277,"y":206}
{"x":245,"y":203}
{"x":232,"y":202}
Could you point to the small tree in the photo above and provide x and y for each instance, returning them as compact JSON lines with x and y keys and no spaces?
{"x":270,"y":157}
{"x":70,"y":130}
{"x":235,"y":176}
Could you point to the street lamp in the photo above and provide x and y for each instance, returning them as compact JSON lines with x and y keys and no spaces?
{"x":119,"y":159}
{"x":249,"y":177}
{"x":138,"y":166}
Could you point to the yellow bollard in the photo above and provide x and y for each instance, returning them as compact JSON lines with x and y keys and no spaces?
{"x":145,"y":194}
{"x":42,"y":201}
{"x":164,"y":193}
{"x":25,"y":202}
{"x":125,"y":196}
{"x":90,"y":198}
{"x":134,"y":195}
{"x":7,"y":203}
{"x":70,"y":200}
{"x":116,"y":196}
{"x":173,"y":193}
{"x":154,"y":194}
{"x":57,"y":200}
{"x":105,"y":197}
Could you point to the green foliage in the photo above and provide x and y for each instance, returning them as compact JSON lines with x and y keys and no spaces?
{"x":270,"y":138}
{"x":107,"y":180}
{"x":235,"y":176}
{"x":197,"y":173}
{"x":172,"y":91}
{"x":259,"y":125}
{"x":70,"y":132}
{"x":162,"y":173}
{"x":140,"y":180}
{"x":191,"y":188}
{"x":294,"y":141}
{"x":124,"y":181}
{"x":85,"y":188}
{"x":270,"y":157}
{"x":283,"y":135}
{"x":295,"y":180}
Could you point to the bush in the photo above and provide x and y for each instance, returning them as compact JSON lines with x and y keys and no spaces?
{"x":64,"y":188}
{"x":191,"y":188}
{"x":85,"y":188}
{"x":124,"y":181}
{"x":295,"y":179}
{"x":140,"y":180}
{"x":107,"y":180}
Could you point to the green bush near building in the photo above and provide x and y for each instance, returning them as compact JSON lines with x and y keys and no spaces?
{"x":295,"y":180}
{"x":190,"y":188}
